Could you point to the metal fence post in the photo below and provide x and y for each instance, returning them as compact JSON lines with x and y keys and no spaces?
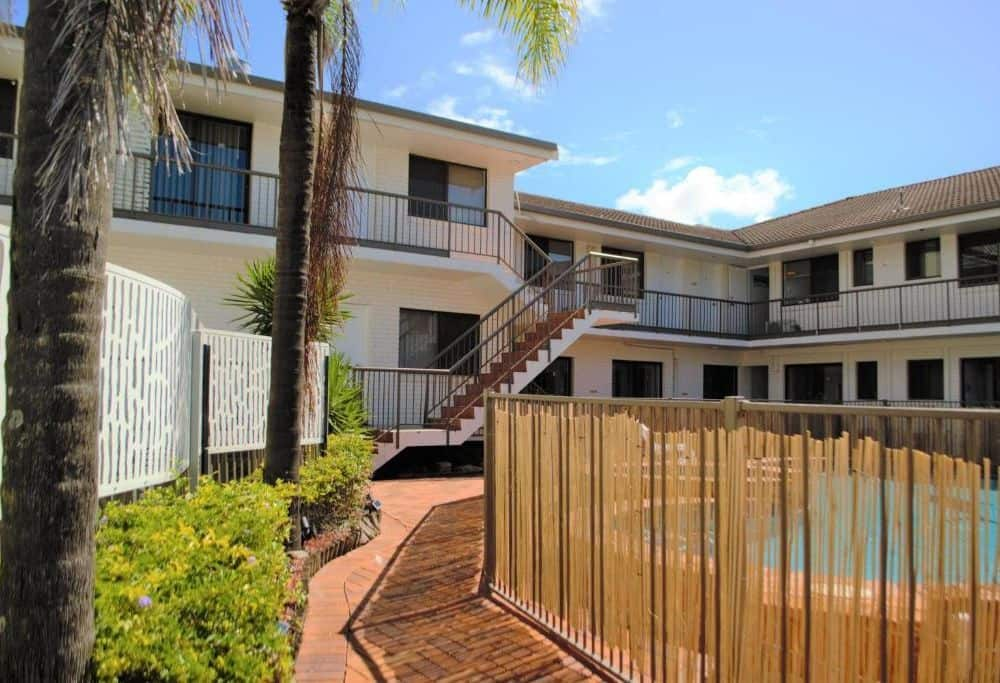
{"x":199,"y":407}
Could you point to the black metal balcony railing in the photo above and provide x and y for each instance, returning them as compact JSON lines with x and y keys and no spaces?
{"x":227,"y":196}
{"x":920,"y":304}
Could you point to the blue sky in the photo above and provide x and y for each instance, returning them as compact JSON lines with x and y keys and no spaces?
{"x":714,"y":112}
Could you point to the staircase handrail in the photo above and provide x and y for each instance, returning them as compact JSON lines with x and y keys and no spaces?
{"x":611,"y":262}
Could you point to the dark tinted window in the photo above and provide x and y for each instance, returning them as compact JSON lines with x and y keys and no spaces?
{"x":208,"y":190}
{"x":636,"y":379}
{"x":442,"y":182}
{"x":611,"y":278}
{"x":981,"y":382}
{"x":867,"y":380}
{"x":923,"y":259}
{"x":555,"y":380}
{"x":560,"y":251}
{"x":925,"y":379}
{"x":8,"y":109}
{"x":864,"y":267}
{"x":718,"y":381}
{"x":812,"y":279}
{"x":814,"y":383}
{"x":758,"y":382}
{"x":979,"y":257}
{"x":423,"y":335}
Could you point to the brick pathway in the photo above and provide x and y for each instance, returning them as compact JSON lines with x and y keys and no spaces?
{"x":406,"y":606}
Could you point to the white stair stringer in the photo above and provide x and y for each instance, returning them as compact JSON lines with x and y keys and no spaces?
{"x":424,"y":436}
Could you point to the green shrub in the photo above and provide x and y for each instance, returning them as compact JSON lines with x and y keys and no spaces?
{"x":193,"y":587}
{"x":344,"y":400}
{"x":333,"y":486}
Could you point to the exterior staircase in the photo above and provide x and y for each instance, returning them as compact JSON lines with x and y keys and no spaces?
{"x":511,"y":345}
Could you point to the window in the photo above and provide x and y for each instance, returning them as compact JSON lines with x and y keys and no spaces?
{"x":867,"y":389}
{"x":423,"y":335}
{"x":925,"y":379}
{"x":718,"y":381}
{"x":979,"y":257}
{"x":864,"y":267}
{"x":555,"y":380}
{"x":814,"y":383}
{"x":560,"y":251}
{"x":758,"y":382}
{"x":981,"y":382}
{"x":8,"y":110}
{"x":636,"y":379}
{"x":923,"y":259}
{"x":444,"y":191}
{"x":812,"y":279}
{"x":208,"y":190}
{"x":612,"y":278}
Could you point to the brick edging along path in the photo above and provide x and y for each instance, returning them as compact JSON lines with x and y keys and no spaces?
{"x":406,"y":606}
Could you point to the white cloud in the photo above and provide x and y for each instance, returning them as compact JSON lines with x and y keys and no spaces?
{"x":477,"y":37}
{"x":677,"y":163}
{"x":397,"y":92}
{"x":568,"y":157}
{"x":704,"y":192}
{"x":674,"y":119}
{"x":488,"y":117}
{"x":503,"y":77}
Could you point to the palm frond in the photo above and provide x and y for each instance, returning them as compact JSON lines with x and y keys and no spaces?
{"x":336,"y":164}
{"x":543,"y":29}
{"x":125,"y":53}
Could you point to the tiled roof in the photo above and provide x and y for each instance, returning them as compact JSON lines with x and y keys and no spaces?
{"x":942,"y":196}
{"x":625,"y":220}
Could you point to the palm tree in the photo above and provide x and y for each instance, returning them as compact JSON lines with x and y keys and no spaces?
{"x":542,"y":30}
{"x":83,"y":61}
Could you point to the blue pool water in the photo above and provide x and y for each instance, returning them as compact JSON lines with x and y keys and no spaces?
{"x":846,"y":524}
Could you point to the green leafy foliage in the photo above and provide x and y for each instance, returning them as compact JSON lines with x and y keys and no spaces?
{"x":344,"y":399}
{"x":254,"y":295}
{"x":333,"y":486}
{"x":192,"y":587}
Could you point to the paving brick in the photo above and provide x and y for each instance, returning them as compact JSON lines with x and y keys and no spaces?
{"x":406,"y":606}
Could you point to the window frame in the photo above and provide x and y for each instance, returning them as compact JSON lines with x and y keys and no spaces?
{"x":870,"y":251}
{"x":446,"y":205}
{"x":979,"y":279}
{"x":813,"y":297}
{"x":909,"y":258}
{"x":543,"y":243}
{"x":867,"y":365}
{"x":634,"y":364}
{"x":473,"y":319}
{"x":7,"y":143}
{"x":162,"y":187}
{"x":732,"y":370}
{"x":913,"y":364}
{"x":639,"y":256}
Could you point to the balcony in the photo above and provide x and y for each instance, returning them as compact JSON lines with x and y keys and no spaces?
{"x":227,"y":198}
{"x":912,"y":305}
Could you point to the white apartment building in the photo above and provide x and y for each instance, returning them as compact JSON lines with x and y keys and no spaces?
{"x":460,"y":284}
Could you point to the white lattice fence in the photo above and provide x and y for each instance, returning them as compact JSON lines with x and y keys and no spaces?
{"x":238,"y":382}
{"x":145,"y":383}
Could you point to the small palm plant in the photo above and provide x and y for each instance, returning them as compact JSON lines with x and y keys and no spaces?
{"x":344,"y":399}
{"x":254,"y":296}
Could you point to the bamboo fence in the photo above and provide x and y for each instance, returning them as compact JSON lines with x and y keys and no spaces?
{"x":732,"y":541}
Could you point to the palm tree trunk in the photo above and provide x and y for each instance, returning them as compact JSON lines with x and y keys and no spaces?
{"x":295,"y":162}
{"x":49,"y":491}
